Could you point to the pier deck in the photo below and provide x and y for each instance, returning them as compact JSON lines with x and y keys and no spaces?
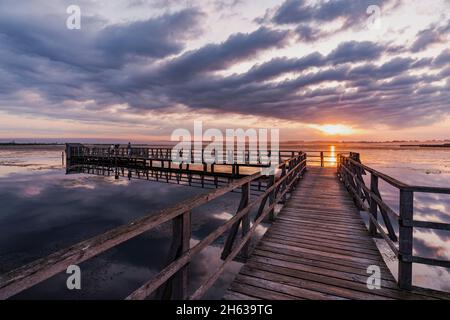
{"x":318,"y":248}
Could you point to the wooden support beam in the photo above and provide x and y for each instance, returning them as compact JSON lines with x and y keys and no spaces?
{"x":283,"y":187}
{"x":272,"y":196}
{"x":406,"y":239}
{"x":177,"y":287}
{"x":234,"y":229}
{"x":373,"y":205}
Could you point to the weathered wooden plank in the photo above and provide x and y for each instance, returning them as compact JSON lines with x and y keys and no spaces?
{"x":316,"y":257}
{"x":283,"y":288}
{"x":338,"y":274}
{"x":283,"y":275}
{"x":346,"y":267}
{"x":324,"y":240}
{"x":325,"y":248}
{"x":334,"y":216}
{"x":334,"y":285}
{"x":359,"y":226}
{"x":327,"y":228}
{"x":331,"y":244}
{"x":431,"y":293}
{"x":260,"y":293}
{"x":307,"y":231}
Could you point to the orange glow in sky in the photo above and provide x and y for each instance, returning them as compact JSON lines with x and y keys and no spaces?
{"x":334,"y":129}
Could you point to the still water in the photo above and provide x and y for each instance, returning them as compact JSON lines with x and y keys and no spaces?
{"x":42,"y":210}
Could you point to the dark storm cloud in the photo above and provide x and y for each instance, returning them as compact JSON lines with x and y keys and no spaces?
{"x":310,"y":18}
{"x":307,"y":33}
{"x":442,"y":59}
{"x":356,"y":51}
{"x":194,"y":63}
{"x":350,"y":11}
{"x":212,"y":57}
{"x":37,"y":52}
{"x":150,"y":38}
{"x":370,"y":94}
{"x":431,"y":35}
{"x":96,"y":46}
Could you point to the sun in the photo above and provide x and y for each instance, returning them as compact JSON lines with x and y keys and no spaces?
{"x":334,"y":129}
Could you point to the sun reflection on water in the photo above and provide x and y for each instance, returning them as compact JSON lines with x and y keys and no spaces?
{"x":332,"y":159}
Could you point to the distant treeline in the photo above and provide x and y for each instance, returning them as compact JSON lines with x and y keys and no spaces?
{"x":29,"y":144}
{"x":445,"y":145}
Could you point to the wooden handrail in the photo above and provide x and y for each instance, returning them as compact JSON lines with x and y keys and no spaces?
{"x":399,"y":184}
{"x":148,"y":288}
{"x":348,"y":167}
{"x":37,"y":271}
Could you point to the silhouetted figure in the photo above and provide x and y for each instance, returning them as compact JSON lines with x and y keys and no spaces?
{"x":129,"y":148}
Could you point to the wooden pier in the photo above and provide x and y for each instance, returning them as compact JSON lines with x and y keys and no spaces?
{"x":317,"y":246}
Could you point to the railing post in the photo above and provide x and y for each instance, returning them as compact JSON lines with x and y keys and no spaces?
{"x":321,"y":159}
{"x":284,"y":184}
{"x":228,"y":247}
{"x":305,"y":157}
{"x":272,"y":197}
{"x":68,"y":156}
{"x":245,"y":251}
{"x":177,"y":287}
{"x":406,"y":239}
{"x":373,"y":204}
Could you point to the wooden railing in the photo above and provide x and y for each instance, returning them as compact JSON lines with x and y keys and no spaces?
{"x":323,"y":158}
{"x":247,"y":157}
{"x":351,"y":170}
{"x":172,"y":282}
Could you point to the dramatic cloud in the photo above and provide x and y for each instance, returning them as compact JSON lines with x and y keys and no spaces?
{"x":95,"y":45}
{"x":431,"y":35}
{"x":141,"y":66}
{"x":150,"y":38}
{"x":314,"y":19}
{"x":301,"y":11}
{"x":215,"y":57}
{"x":309,"y":34}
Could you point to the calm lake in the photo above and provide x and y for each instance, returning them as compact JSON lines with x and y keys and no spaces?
{"x":42,"y":210}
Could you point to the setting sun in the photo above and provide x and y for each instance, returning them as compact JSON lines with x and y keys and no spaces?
{"x":334,"y":129}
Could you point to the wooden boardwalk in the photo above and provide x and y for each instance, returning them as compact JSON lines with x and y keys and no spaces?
{"x":318,"y":248}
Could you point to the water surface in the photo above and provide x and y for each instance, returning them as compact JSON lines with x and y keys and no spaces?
{"x":43,"y":210}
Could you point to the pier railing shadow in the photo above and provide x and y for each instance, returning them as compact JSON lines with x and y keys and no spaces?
{"x":369,"y":199}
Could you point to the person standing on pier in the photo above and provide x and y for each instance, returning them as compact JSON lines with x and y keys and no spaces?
{"x":129,"y":148}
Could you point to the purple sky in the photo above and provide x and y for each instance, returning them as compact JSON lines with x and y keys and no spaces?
{"x":138,"y":69}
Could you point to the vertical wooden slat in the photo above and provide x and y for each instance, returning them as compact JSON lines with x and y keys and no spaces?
{"x":271,"y":196}
{"x":181,"y":278}
{"x":406,"y":239}
{"x":373,"y":204}
{"x":283,"y":187}
{"x":234,"y":229}
{"x":68,"y":156}
{"x":176,"y":288}
{"x":245,"y":252}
